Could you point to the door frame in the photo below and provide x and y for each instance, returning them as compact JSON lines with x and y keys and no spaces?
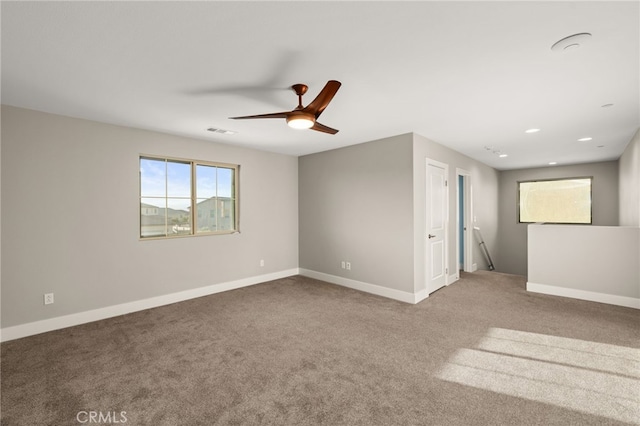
{"x":445,"y":166}
{"x":467,"y":219}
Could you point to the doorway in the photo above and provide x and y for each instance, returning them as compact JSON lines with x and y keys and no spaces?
{"x":464,"y":223}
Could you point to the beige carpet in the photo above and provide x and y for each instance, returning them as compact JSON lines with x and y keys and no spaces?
{"x":298,"y":351}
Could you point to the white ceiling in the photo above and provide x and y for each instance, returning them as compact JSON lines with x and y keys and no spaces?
{"x":468,"y":75}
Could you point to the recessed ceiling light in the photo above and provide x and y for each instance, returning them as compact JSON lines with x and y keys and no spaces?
{"x":584,"y":139}
{"x":570,"y":43}
{"x":503,"y":155}
{"x":532,"y":130}
{"x":553,"y":163}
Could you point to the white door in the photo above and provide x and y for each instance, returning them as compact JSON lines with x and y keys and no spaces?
{"x":436,"y":210}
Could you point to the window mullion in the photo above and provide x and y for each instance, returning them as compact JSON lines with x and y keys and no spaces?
{"x":166,"y":198}
{"x":194,"y":201}
{"x":216,"y":201}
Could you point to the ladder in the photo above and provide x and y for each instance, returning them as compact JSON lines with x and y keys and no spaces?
{"x":484,"y":248}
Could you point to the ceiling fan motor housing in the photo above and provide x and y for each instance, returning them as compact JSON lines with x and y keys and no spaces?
{"x":300,"y":89}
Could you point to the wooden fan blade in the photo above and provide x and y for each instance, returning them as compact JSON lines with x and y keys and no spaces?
{"x":324,"y":97}
{"x":322,"y":128}
{"x":272,"y":115}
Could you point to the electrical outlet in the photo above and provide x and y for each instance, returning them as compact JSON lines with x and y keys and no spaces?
{"x":348,"y":266}
{"x":261,"y":262}
{"x":48,"y":298}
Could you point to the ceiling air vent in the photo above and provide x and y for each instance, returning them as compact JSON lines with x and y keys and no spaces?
{"x":221,"y":131}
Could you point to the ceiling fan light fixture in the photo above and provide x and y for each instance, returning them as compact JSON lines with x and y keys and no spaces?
{"x":305,"y":117}
{"x":300,"y":120}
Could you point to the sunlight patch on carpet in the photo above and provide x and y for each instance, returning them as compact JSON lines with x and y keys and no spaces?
{"x":589,"y":377}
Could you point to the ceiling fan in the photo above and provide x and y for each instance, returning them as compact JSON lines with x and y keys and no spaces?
{"x":305,"y":117}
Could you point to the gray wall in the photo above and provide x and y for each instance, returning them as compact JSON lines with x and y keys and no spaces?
{"x":512,"y":241}
{"x":365,"y":204}
{"x":629,"y":180}
{"x":356,"y":206}
{"x":599,"y":259}
{"x":484,"y":181}
{"x":70,"y":217}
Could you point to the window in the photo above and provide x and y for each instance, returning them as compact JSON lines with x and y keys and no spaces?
{"x":186,"y":197}
{"x":555,"y":201}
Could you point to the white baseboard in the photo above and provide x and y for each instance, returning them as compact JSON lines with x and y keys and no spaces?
{"x":452,"y":279}
{"x":402,"y":296}
{"x":611,"y":299}
{"x":420,"y":296}
{"x":37,"y":327}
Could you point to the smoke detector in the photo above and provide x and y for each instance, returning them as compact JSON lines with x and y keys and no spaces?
{"x":571,"y":42}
